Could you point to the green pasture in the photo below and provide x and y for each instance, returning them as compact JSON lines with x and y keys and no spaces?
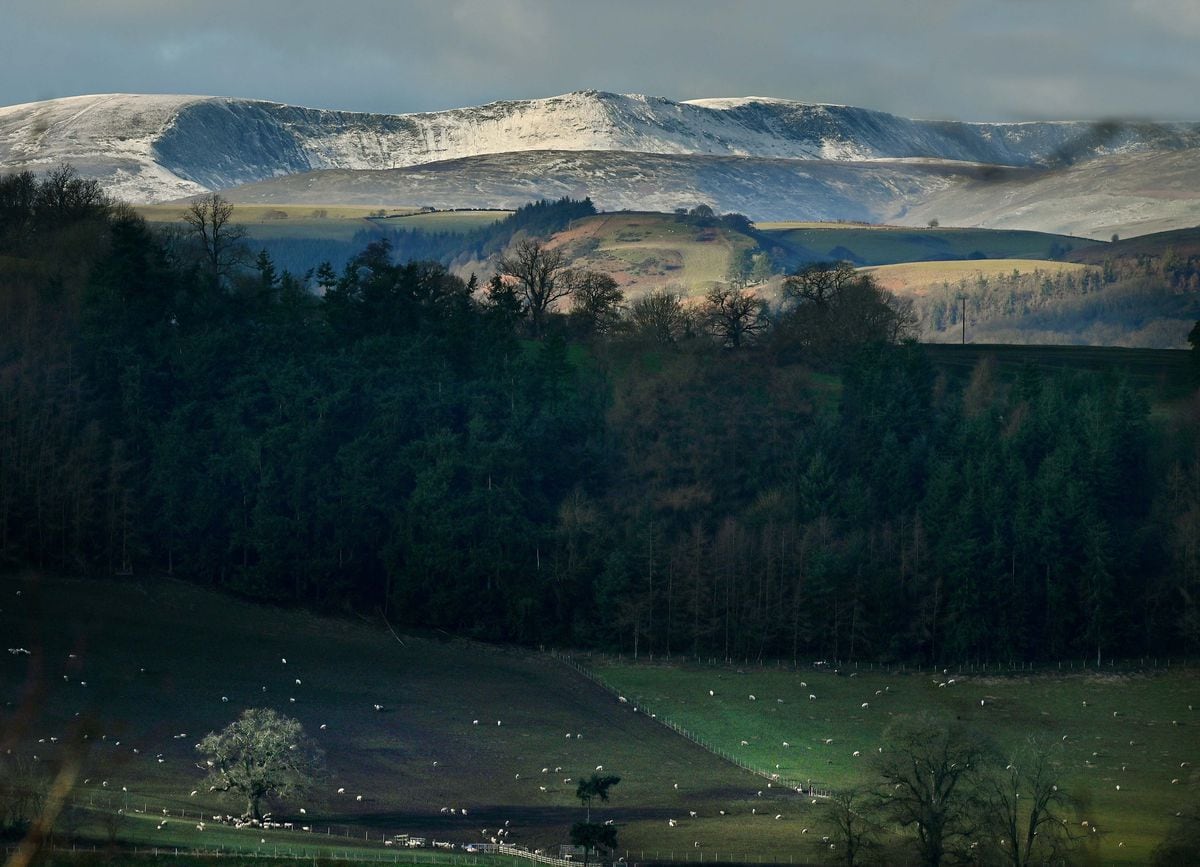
{"x":148,"y":666}
{"x":1136,"y":731}
{"x":459,"y":222}
{"x":887,"y":245}
{"x":332,"y":222}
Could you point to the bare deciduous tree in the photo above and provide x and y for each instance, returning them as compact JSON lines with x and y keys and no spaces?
{"x":1027,"y":806}
{"x":596,"y":299}
{"x":659,"y":316}
{"x":854,"y":833}
{"x":536,"y":270}
{"x":734,"y":316}
{"x":220,"y":240}
{"x":930,"y":771}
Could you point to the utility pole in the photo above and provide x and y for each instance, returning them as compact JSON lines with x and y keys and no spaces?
{"x":963,"y":298}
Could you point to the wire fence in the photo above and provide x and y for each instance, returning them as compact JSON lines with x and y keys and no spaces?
{"x":977,"y":666}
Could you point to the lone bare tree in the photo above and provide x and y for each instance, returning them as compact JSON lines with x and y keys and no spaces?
{"x":536,"y":270}
{"x":220,"y":240}
{"x":260,"y":754}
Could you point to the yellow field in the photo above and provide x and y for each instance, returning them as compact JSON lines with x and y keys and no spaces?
{"x":917,"y":278}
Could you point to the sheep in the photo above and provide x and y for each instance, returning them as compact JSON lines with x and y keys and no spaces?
{"x":671,"y":822}
{"x":341,"y":790}
{"x":711,"y":693}
{"x":358,"y":797}
{"x":811,"y":697}
{"x":752,"y":698}
{"x":865,"y":705}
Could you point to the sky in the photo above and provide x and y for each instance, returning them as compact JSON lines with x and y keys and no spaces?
{"x":961,"y":59}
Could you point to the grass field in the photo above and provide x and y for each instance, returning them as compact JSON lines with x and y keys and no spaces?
{"x":645,"y":251}
{"x":334,"y":222}
{"x":446,"y":221}
{"x":1128,"y":730}
{"x":147,"y":667}
{"x":917,"y":278}
{"x":888,"y":245}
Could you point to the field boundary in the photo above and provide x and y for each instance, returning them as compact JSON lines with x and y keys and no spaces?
{"x":803,"y":787}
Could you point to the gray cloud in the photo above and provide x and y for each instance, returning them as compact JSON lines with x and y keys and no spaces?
{"x":969,"y":59}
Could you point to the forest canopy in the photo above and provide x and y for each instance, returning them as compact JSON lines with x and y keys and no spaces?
{"x":649,"y":477}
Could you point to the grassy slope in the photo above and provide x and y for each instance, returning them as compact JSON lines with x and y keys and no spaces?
{"x":1134,"y":730}
{"x":917,"y":278}
{"x":887,"y":245}
{"x":1185,"y":242}
{"x":645,"y":251}
{"x":196,"y":647}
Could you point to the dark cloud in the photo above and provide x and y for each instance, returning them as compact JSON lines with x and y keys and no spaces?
{"x":970,"y":59}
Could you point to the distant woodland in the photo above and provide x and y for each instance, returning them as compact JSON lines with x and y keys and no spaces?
{"x":723,"y":481}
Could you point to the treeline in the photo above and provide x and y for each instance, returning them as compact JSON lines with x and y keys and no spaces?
{"x":1144,"y":301}
{"x":643,"y":477}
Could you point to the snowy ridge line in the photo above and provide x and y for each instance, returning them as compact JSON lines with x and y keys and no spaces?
{"x":157,"y":147}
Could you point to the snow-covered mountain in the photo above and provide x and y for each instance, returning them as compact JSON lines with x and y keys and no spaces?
{"x":148,"y":148}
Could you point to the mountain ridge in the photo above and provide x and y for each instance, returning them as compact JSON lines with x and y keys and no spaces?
{"x":161,"y":146}
{"x":768,"y":157}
